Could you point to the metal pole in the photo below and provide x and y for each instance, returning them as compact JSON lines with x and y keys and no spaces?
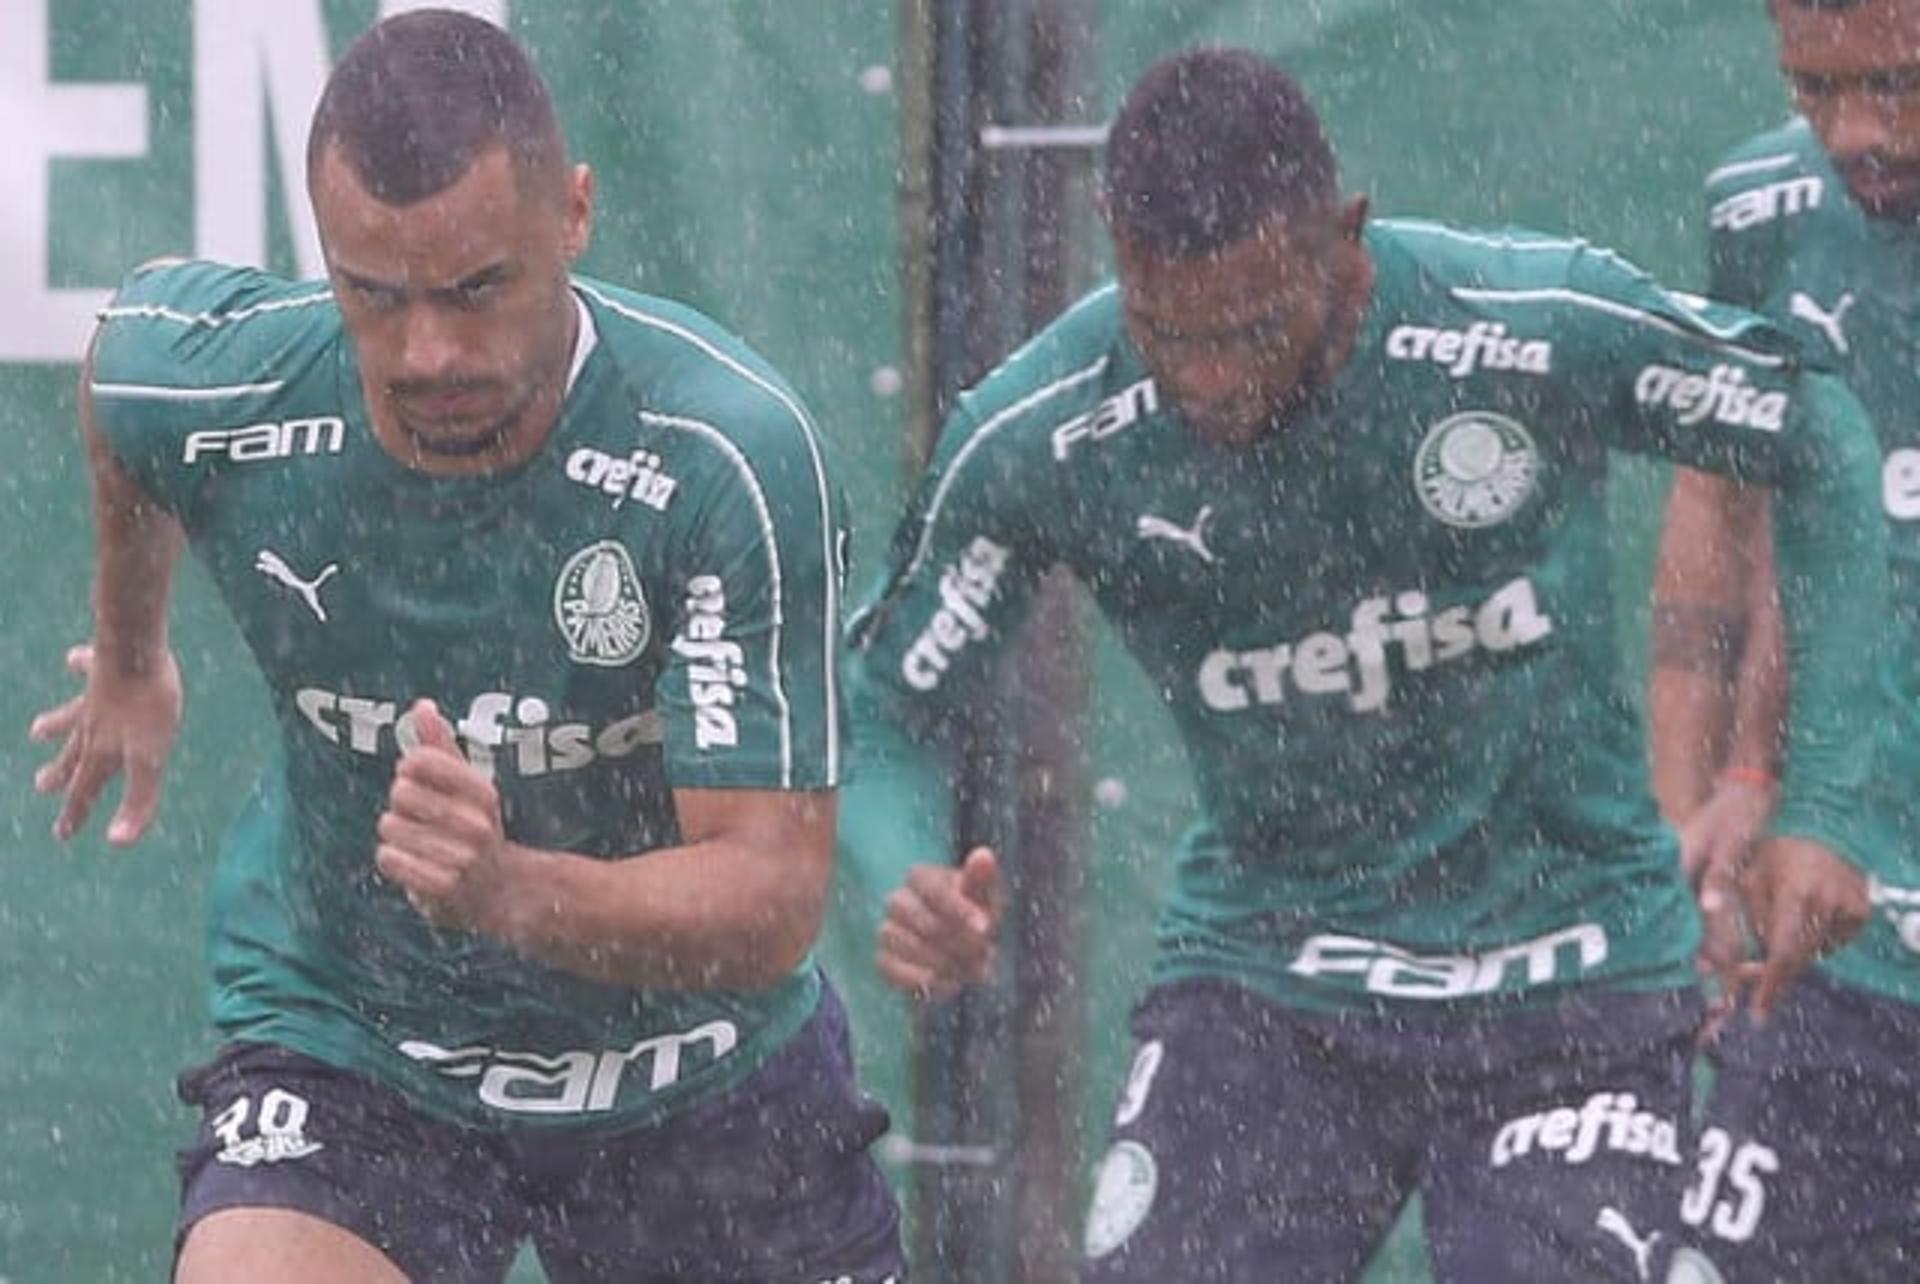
{"x":996,"y":205}
{"x":1051,"y":837}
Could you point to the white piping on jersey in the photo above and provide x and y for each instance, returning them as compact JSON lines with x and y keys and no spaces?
{"x":829,"y":558}
{"x":990,"y":425}
{"x":759,"y":496}
{"x":1494,"y":241}
{"x":158,"y":392}
{"x":160,"y":312}
{"x":1721,"y":335}
{"x":585,"y":340}
{"x":1758,"y":165}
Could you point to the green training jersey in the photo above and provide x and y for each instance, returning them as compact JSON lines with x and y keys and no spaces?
{"x":1788,"y":240}
{"x":649,"y":603}
{"x":1385,"y":632}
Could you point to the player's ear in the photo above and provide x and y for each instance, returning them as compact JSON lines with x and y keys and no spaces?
{"x":579,"y":212}
{"x":1353,"y":218}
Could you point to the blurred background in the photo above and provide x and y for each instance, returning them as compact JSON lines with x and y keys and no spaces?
{"x":880,"y":195}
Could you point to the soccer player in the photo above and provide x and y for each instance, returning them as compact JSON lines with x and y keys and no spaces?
{"x":1810,"y":1161}
{"x":511,"y":942}
{"x":1338,"y":484}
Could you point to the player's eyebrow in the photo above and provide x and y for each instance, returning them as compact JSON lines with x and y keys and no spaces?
{"x":1882,"y":80}
{"x":1266,"y":323}
{"x":492,"y":274}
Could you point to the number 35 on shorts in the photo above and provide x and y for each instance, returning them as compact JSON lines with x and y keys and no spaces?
{"x":1729,"y":1194}
{"x":274,"y":1132}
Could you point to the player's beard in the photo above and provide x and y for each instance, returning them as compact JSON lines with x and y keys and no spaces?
{"x":1865,"y":177}
{"x":1322,"y":365}
{"x":434,"y":442}
{"x":1315,"y":374}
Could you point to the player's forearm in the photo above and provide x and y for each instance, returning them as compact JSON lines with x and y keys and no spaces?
{"x":714,"y":915}
{"x":1698,"y":632}
{"x":1688,"y":737}
{"x":1760,"y":700}
{"x":136,"y":547}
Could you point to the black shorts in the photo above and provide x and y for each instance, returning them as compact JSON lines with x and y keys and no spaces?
{"x":1256,"y":1142}
{"x":769,"y":1182}
{"x":1809,"y":1162}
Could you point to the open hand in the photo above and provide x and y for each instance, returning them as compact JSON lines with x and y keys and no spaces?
{"x":938,"y":935}
{"x":120,"y":722}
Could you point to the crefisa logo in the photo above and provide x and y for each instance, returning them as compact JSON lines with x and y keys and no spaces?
{"x":1475,"y":469}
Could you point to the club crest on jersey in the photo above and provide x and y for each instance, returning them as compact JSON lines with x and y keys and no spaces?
{"x":1475,"y":469}
{"x":598,"y":604}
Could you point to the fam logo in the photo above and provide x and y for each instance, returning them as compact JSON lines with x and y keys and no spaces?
{"x":1901,"y":908}
{"x":1760,"y":205}
{"x":577,"y":1082}
{"x":599,"y":607}
{"x":1475,"y":469}
{"x":255,"y":443}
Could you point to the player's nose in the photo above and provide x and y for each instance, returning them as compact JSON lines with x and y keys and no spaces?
{"x":429,"y":345}
{"x":1858,"y":124}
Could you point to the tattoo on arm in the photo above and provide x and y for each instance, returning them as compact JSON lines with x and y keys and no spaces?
{"x":1697,"y":637}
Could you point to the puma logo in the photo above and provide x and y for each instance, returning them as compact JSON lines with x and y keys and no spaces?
{"x":1193,"y":538}
{"x":1613,"y":1222}
{"x":274,"y":567}
{"x":1803,"y":306}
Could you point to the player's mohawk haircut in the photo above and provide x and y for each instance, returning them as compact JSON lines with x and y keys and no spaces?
{"x":1208,"y":144}
{"x":419,"y":96}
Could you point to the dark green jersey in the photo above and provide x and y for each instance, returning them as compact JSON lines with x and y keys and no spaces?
{"x":649,"y":603}
{"x":1385,"y":631}
{"x":1787,"y":239}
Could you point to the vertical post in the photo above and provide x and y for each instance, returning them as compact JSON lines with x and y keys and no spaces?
{"x":959,"y":1205}
{"x":1051,"y":832}
{"x":999,"y":234}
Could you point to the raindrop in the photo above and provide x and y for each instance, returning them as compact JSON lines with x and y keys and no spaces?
{"x":886,"y":381}
{"x":877,"y":79}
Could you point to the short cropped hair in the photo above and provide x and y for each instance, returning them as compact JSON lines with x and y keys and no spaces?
{"x":1208,"y":144}
{"x":420,"y":96}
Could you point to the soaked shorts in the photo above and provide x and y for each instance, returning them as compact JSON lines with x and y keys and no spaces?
{"x":1809,"y":1165}
{"x":1257,"y":1142}
{"x":770,"y":1182}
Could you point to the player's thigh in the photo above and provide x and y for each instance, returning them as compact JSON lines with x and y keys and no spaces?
{"x":1246,"y":1146}
{"x":298,"y":1149}
{"x":772,"y":1183}
{"x":1566,"y":1165}
{"x":278,"y":1246}
{"x":1809,"y":1155}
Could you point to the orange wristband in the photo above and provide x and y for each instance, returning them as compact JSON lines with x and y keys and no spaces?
{"x":1758,"y":777}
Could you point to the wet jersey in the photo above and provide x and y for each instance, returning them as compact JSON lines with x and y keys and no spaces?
{"x":1787,"y":239}
{"x":1384,"y":632}
{"x":649,"y":603}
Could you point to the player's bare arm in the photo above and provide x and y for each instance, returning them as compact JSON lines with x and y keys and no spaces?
{"x":125,"y":718}
{"x":736,"y":905}
{"x":1698,"y":632}
{"x":1717,"y":677}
